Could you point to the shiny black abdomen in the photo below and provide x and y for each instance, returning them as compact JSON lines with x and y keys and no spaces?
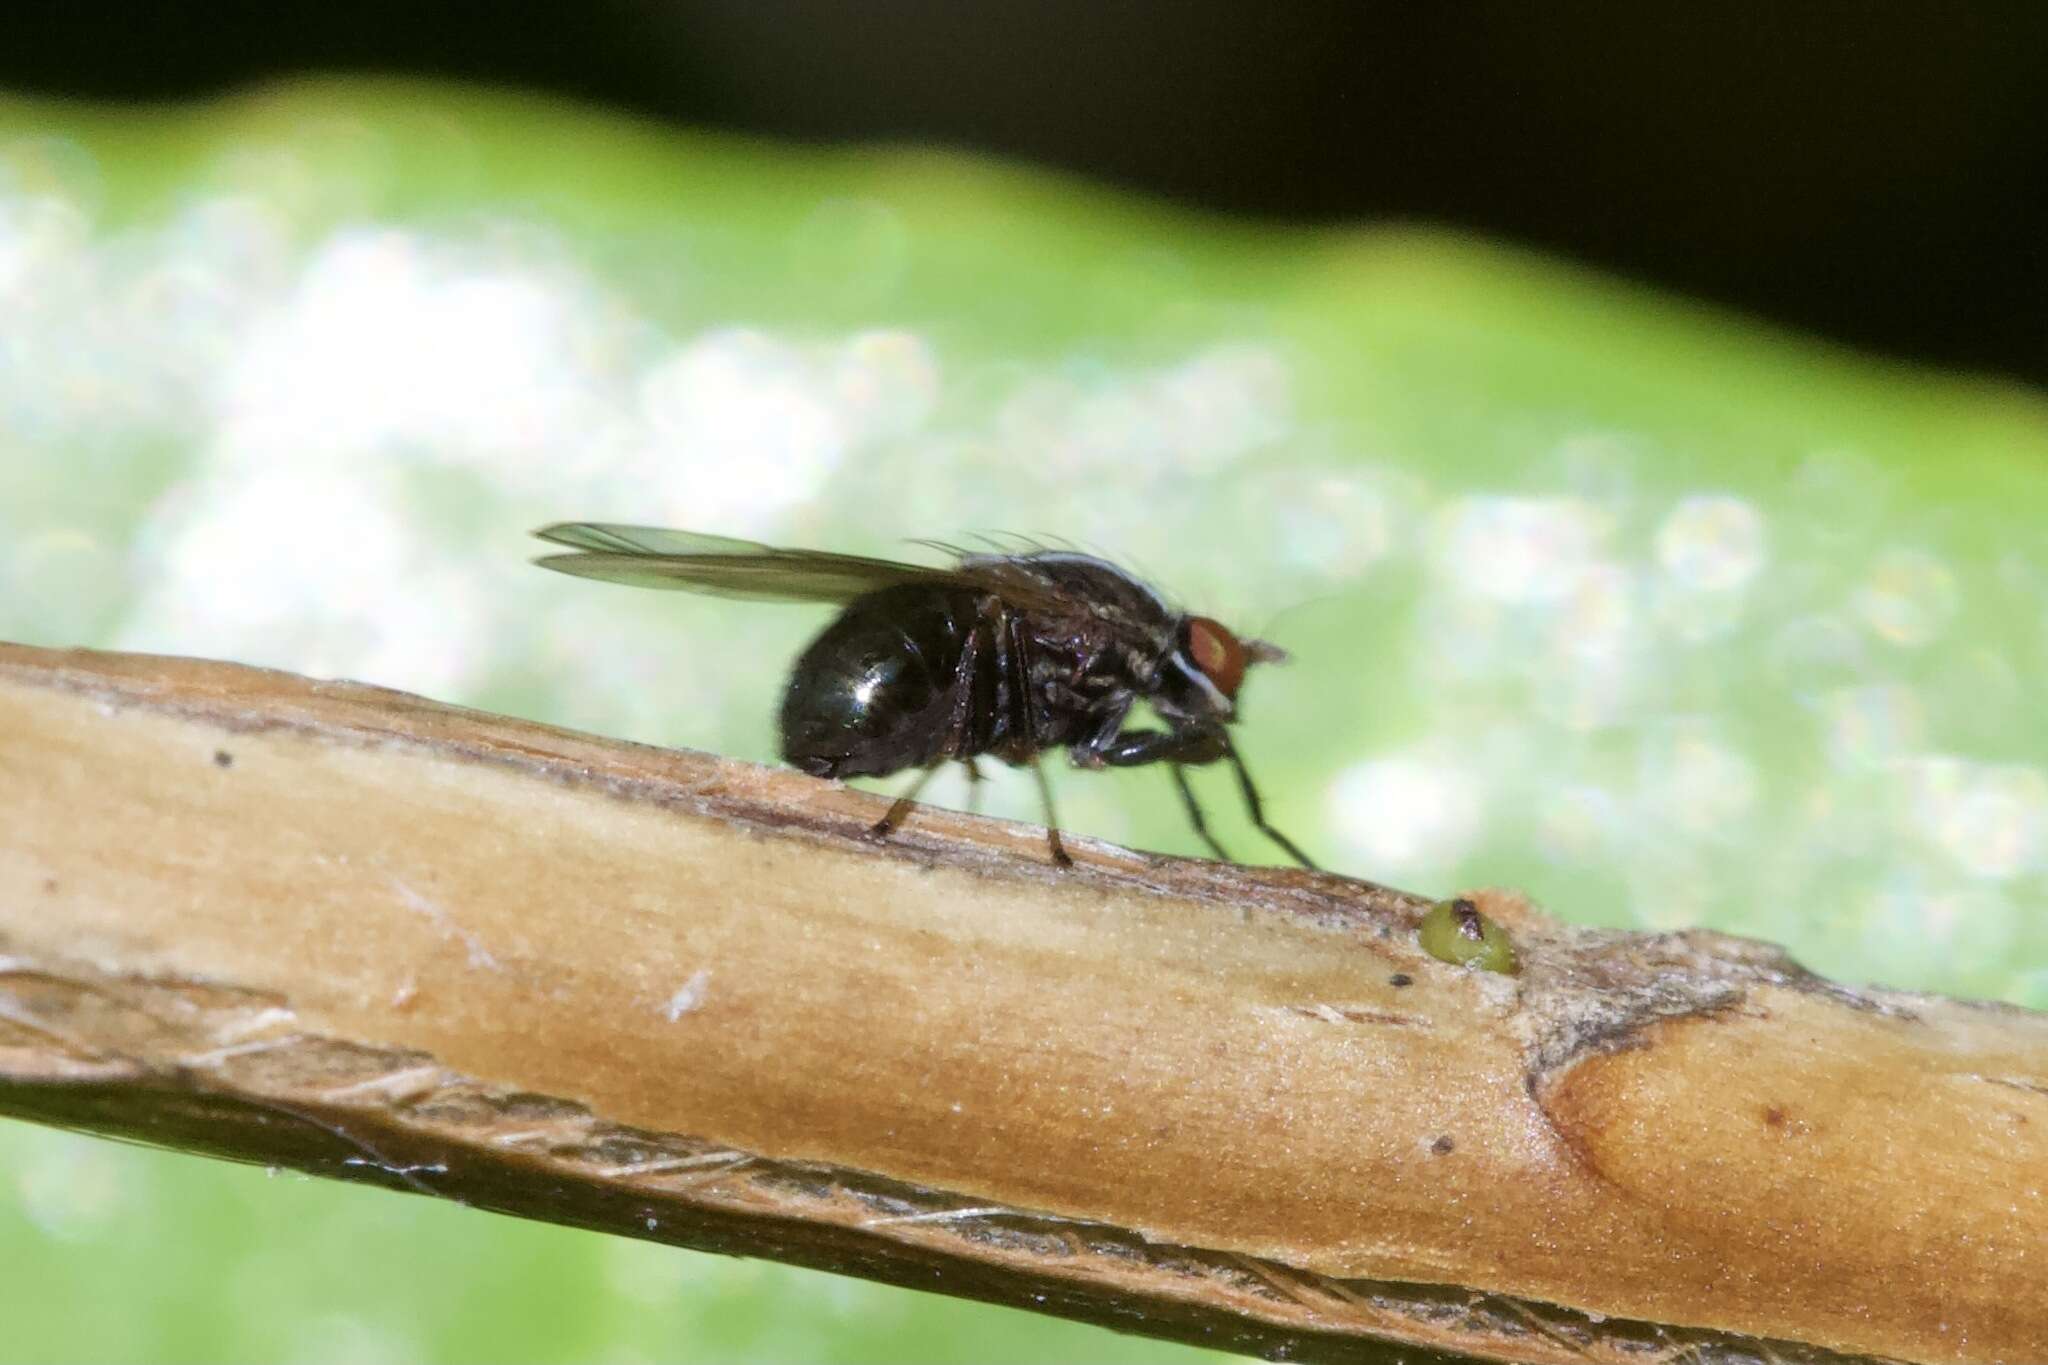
{"x":881,"y":689}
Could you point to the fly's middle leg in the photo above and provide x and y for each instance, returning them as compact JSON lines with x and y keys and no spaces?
{"x":1016,"y":673}
{"x":1052,"y":818}
{"x":974,"y":781}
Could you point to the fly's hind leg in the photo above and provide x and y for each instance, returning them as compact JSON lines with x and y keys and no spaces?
{"x":956,"y":733}
{"x":900,"y":807}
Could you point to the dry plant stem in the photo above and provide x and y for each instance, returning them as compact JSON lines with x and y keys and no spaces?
{"x":675,"y":997}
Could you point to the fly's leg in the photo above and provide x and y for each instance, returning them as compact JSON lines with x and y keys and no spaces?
{"x":1052,"y":819}
{"x":900,"y":807}
{"x":1179,"y":748}
{"x":956,"y":735}
{"x":1258,"y":810}
{"x":1175,"y":748}
{"x":974,"y":781}
{"x":1020,"y":690}
{"x":1195,"y":817}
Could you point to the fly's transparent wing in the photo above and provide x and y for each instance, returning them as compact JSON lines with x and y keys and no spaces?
{"x":606,"y":538}
{"x":654,"y":557}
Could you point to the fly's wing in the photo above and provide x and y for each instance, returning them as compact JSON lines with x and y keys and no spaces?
{"x":652,"y":557}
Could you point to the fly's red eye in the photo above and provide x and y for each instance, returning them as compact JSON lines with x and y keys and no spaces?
{"x":1217,"y":652}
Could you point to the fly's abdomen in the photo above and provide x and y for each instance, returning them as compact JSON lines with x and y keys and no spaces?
{"x":878,"y":691}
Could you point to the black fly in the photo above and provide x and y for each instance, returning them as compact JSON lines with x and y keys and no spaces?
{"x":1002,"y":654}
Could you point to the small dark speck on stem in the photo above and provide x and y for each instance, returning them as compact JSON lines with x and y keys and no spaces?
{"x":223,"y":759}
{"x":1399,"y":979}
{"x":1443,"y":1146}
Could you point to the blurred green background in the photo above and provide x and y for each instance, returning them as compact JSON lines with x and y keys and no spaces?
{"x":1666,"y":617}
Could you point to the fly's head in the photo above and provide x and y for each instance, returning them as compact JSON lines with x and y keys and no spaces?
{"x":1197,"y":683}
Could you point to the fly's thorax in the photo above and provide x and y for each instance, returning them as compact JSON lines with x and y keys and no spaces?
{"x":1092,"y":587}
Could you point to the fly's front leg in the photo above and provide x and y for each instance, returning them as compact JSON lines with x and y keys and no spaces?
{"x":1195,"y":816}
{"x":1258,"y":809}
{"x":1175,"y":748}
{"x":1180,"y":748}
{"x":1133,"y":748}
